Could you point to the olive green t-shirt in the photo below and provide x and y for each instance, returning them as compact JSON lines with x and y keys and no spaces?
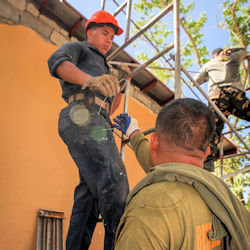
{"x":189,"y":201}
{"x":166,"y":215}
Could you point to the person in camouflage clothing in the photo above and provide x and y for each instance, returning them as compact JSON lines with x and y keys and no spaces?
{"x":225,"y":90}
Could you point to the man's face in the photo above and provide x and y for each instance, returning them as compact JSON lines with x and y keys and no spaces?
{"x":101,"y":38}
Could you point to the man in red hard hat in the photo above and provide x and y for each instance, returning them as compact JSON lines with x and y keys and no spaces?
{"x":92,"y":94}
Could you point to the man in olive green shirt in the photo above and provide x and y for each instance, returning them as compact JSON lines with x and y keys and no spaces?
{"x":179,"y":205}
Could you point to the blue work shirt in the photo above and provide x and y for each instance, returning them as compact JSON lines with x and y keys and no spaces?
{"x":86,"y":57}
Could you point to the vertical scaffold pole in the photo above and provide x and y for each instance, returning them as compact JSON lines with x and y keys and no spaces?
{"x":128,"y":16}
{"x":102,"y":4}
{"x":126,"y":99}
{"x":221,"y":156}
{"x":177,"y":49}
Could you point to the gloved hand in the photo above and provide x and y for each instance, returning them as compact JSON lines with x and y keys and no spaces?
{"x":113,"y":71}
{"x":127,"y":124}
{"x":107,"y":84}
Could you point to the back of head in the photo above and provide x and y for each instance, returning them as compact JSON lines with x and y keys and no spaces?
{"x":216,"y":52}
{"x":185,"y":123}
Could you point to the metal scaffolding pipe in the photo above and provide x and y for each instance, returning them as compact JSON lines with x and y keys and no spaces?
{"x":128,"y":15}
{"x":218,"y":111}
{"x":116,"y":133}
{"x":120,"y":8}
{"x":125,"y":110}
{"x":102,"y":4}
{"x":236,"y":155}
{"x":177,"y":49}
{"x":146,"y":132}
{"x":238,"y":129}
{"x":221,"y":157}
{"x":235,"y":173}
{"x":143,"y":29}
{"x":135,"y":71}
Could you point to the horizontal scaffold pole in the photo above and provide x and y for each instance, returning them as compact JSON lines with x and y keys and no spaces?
{"x":144,"y":65}
{"x":235,"y":173}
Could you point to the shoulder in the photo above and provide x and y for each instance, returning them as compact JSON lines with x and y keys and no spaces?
{"x":161,"y":195}
{"x":78,"y":46}
{"x":212,"y":62}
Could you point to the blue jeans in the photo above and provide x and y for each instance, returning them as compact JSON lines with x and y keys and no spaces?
{"x":103,"y":186}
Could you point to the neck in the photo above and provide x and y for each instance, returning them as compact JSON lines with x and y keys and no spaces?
{"x":174,"y":154}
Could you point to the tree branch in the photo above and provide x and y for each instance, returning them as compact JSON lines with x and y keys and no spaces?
{"x":193,"y":43}
{"x":245,"y":70}
{"x":236,"y":24}
{"x":241,"y":35}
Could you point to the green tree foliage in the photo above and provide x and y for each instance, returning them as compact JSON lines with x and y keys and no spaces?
{"x":236,"y":18}
{"x":162,"y":32}
{"x":240,"y":182}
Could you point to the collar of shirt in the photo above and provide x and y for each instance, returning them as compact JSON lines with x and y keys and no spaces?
{"x":95,"y":49}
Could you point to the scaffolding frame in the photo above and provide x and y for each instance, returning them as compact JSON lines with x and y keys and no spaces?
{"x":178,"y":68}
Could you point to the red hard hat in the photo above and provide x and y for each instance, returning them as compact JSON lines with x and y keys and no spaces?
{"x":103,"y":16}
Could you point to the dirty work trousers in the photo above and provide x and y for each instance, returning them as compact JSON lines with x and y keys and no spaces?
{"x":103,"y":186}
{"x":231,"y":102}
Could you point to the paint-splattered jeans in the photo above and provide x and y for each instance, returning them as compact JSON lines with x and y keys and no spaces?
{"x":230,"y":101}
{"x":103,"y":187}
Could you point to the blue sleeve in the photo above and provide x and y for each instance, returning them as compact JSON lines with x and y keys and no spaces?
{"x":71,"y":51}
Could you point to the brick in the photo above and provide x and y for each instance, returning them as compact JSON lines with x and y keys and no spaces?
{"x":64,"y":32}
{"x":19,"y":4}
{"x":49,"y":22}
{"x":30,"y":21}
{"x":57,"y":38}
{"x":33,"y":9}
{"x":8,"y":14}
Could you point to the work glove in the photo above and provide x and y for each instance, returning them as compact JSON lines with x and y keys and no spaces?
{"x":107,"y":84}
{"x":113,"y":71}
{"x":126,"y":124}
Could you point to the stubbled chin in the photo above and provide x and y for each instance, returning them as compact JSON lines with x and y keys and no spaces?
{"x":104,"y":52}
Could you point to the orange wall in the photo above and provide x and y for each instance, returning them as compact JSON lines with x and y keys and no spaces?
{"x":36,"y":170}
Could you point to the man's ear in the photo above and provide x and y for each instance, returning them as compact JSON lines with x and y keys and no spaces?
{"x":154,"y":143}
{"x":89,"y":33}
{"x":207,"y":152}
